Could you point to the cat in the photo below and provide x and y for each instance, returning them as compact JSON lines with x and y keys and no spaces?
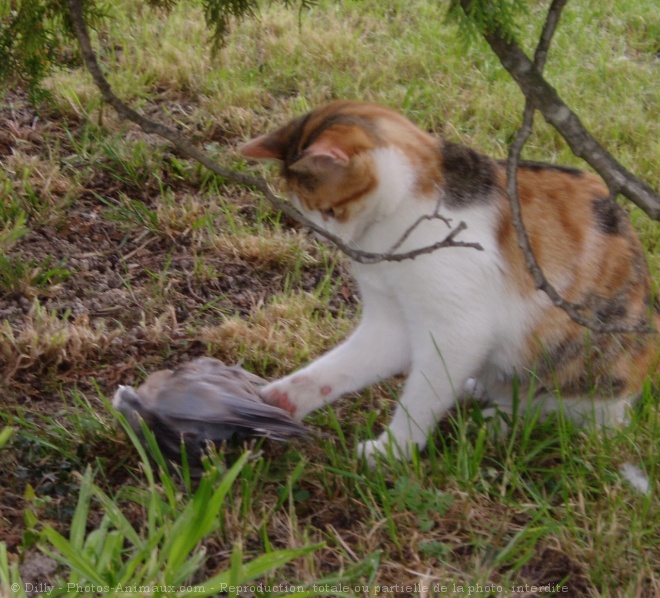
{"x":460,"y":315}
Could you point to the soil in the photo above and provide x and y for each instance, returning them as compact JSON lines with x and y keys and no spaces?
{"x":109,"y":284}
{"x":112,"y":270}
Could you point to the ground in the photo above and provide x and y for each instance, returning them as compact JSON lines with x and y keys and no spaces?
{"x":81,"y":311}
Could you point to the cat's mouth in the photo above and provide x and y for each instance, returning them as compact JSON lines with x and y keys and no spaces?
{"x":349,"y":232}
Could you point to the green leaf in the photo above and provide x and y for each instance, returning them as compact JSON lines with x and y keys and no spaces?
{"x":111,"y":552}
{"x":118,"y":519}
{"x":127,"y":574}
{"x":5,"y":435}
{"x":200,"y":516}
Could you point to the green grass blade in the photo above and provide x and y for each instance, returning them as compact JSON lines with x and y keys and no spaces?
{"x":79,"y":522}
{"x":119,"y":520}
{"x":140,"y":566}
{"x":10,"y":579}
{"x":72,"y":556}
{"x":255,"y":568}
{"x":201,"y":516}
{"x":5,"y":435}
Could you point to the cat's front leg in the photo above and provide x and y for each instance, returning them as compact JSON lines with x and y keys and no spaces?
{"x":431,"y":389}
{"x":414,"y":418}
{"x":377,"y":350}
{"x":417,"y":412}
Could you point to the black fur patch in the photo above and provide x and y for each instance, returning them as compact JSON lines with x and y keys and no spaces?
{"x":609,"y":309}
{"x":468,"y":175}
{"x":342,"y":119}
{"x":292,"y":152}
{"x":560,"y":355}
{"x":609,"y":386}
{"x":297,"y":145}
{"x":306,"y":180}
{"x":603,"y":386}
{"x":610,"y":217}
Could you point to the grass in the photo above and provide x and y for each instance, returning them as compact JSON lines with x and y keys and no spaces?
{"x":118,"y":256}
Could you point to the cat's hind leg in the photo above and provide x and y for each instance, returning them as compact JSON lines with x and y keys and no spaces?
{"x":605,"y":412}
{"x":505,"y":404}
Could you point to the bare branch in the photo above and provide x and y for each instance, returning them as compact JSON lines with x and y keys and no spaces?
{"x":435,"y":215}
{"x":575,"y":311}
{"x":149,"y":126}
{"x":448,"y":241}
{"x":559,"y":115}
{"x":549,"y":28}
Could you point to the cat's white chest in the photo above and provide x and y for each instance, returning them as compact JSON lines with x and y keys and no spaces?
{"x":449,"y":296}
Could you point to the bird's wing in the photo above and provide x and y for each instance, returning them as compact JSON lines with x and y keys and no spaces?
{"x":207,"y":398}
{"x":207,"y":405}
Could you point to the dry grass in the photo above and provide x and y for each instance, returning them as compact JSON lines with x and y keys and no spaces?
{"x":287,"y":331}
{"x":267,"y":248}
{"x":47,"y":340}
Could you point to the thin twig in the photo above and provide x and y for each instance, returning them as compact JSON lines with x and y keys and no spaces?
{"x":575,"y":311}
{"x":149,"y":126}
{"x":448,"y":241}
{"x":435,"y":215}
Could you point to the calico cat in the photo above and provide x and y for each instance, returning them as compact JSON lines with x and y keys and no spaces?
{"x":366,"y":173}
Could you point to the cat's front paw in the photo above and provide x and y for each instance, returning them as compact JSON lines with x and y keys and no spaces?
{"x":298,"y":394}
{"x":371,"y":450}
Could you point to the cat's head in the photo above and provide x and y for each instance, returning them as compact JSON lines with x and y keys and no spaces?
{"x":345,"y":164}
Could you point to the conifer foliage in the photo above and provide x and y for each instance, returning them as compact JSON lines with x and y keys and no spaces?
{"x":36,"y":36}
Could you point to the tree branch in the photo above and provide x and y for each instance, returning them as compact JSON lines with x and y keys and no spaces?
{"x":575,"y":311}
{"x":149,"y":126}
{"x":435,"y":215}
{"x":547,"y":101}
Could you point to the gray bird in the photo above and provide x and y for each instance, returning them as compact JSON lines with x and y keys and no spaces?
{"x":201,"y":401}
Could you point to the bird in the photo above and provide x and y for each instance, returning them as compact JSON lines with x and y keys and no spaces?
{"x":203,"y":401}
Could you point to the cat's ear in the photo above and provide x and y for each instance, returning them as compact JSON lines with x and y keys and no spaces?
{"x":264,"y":147}
{"x":323,"y":156}
{"x":273,"y":145}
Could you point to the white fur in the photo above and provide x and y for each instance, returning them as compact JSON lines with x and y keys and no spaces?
{"x":445,"y":317}
{"x":636,"y":478}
